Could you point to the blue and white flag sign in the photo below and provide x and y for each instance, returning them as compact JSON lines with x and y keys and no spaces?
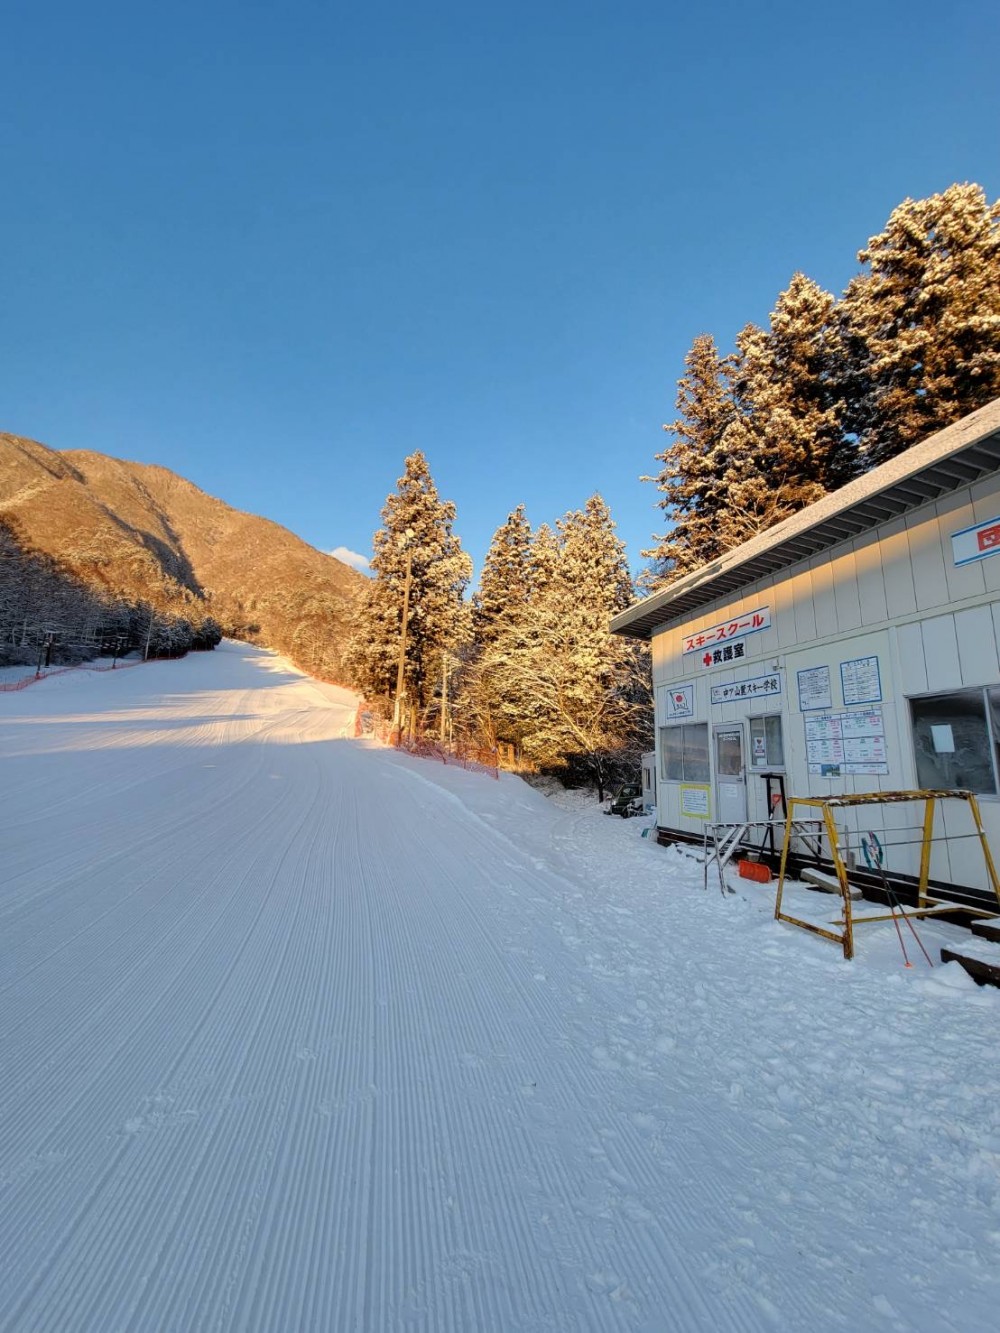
{"x":976,"y":543}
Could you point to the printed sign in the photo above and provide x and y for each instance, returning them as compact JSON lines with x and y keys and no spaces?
{"x":758,"y":688}
{"x":724,"y":643}
{"x":976,"y":543}
{"x":815,"y":690}
{"x":679,"y":701}
{"x":860,"y":681}
{"x":694,"y":801}
{"x":846,"y":744}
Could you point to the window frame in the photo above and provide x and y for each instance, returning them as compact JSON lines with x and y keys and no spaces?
{"x":992,"y":729}
{"x":705,"y":781}
{"x":768,"y":765}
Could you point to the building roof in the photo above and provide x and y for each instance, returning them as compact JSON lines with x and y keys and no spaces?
{"x":948,"y":460}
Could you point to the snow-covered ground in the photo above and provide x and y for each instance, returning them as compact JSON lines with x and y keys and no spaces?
{"x":300,"y":1034}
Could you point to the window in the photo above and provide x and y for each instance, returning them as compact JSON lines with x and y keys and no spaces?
{"x":766,"y":747}
{"x":684,"y":752}
{"x":955,"y":739}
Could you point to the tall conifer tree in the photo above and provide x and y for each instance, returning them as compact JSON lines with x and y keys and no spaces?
{"x":785,"y":446}
{"x":692,"y":480}
{"x":922,"y":325}
{"x":505,"y":583}
{"x":416,"y":528}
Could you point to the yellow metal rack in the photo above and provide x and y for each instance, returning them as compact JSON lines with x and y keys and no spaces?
{"x":926,"y":905}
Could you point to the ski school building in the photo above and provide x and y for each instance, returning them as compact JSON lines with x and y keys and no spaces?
{"x":853,"y":648}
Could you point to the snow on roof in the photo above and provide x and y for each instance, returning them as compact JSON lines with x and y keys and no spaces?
{"x":948,"y":460}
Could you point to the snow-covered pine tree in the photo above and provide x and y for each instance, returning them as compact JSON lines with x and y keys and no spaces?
{"x":505,"y":583}
{"x":785,"y":446}
{"x":506,"y":629}
{"x":498,"y":607}
{"x":692,"y":478}
{"x":574,"y":692}
{"x":416,"y":528}
{"x":922,"y":325}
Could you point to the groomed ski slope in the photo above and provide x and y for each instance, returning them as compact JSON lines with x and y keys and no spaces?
{"x":300,"y":1034}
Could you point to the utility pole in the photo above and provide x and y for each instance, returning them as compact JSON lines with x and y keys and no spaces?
{"x":149,"y":634}
{"x":397,"y":715}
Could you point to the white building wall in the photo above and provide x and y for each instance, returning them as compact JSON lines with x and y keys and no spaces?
{"x":895,"y":594}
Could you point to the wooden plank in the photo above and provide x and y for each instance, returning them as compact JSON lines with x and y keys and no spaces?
{"x":986,"y":974}
{"x":827,"y":883}
{"x":889,"y":916}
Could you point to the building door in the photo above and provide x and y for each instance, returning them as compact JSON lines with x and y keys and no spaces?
{"x":730,"y":774}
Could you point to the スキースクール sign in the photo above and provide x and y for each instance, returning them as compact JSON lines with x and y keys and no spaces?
{"x":725,"y":642}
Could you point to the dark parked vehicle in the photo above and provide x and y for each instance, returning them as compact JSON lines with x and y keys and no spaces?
{"x":627,"y":801}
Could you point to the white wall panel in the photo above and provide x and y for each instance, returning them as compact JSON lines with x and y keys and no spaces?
{"x":977,"y":646}
{"x":894,"y":545}
{"x":912,"y":667}
{"x":944,"y":671}
{"x":824,"y":602}
{"x":871,"y":581}
{"x":929,"y":580}
{"x":845,"y":592}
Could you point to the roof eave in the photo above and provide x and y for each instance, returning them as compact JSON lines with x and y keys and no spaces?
{"x":957,"y":456}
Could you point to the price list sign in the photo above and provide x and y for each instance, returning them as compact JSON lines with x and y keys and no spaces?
{"x":846,"y":744}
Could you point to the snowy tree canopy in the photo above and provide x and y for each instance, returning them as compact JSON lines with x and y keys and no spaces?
{"x":923,"y":322}
{"x":416,"y":535}
{"x":833,"y":387}
{"x":547,"y":673}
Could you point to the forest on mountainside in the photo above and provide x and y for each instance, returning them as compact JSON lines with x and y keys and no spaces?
{"x":49,"y":615}
{"x":833,"y":387}
{"x":102,"y":555}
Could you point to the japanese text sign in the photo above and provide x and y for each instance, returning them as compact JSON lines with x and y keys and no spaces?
{"x":724,"y":642}
{"x":758,"y":688}
{"x":976,"y":543}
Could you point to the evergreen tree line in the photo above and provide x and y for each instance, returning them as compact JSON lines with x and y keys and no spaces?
{"x":49,"y":615}
{"x":833,"y":387}
{"x":529,"y":661}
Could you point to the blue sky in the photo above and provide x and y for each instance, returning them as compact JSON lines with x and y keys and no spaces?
{"x":278,"y":247}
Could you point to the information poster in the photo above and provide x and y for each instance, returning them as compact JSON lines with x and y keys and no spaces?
{"x":694,"y":801}
{"x":861,"y":681}
{"x":815,"y":690}
{"x":846,"y":744}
